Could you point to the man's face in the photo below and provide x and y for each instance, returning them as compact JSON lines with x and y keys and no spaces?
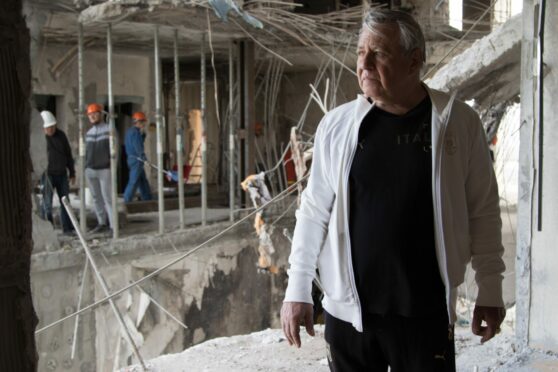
{"x":140,"y":124}
{"x":50,"y":130}
{"x":384,"y":70}
{"x":94,"y":117}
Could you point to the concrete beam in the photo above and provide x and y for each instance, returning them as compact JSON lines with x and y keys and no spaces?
{"x":488,"y":71}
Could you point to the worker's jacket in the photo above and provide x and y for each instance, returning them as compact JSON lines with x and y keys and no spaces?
{"x":466,"y":209}
{"x":133,"y":143}
{"x":97,"y":148}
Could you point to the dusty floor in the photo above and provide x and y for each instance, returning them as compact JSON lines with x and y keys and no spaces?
{"x":268,"y":351}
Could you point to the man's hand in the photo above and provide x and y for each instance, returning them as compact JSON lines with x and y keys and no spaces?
{"x":493,"y":316}
{"x":72,"y":180}
{"x":293,"y":315}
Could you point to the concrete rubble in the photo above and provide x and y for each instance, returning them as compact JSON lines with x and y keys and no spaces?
{"x":487,"y":71}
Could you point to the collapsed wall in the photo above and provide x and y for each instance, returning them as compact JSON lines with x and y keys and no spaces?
{"x":215,"y":292}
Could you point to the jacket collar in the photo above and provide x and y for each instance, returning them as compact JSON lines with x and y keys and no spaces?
{"x":439,"y":100}
{"x":363,"y":106}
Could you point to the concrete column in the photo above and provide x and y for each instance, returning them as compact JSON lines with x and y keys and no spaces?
{"x":112,"y":137}
{"x":537,"y":257}
{"x":159,"y":121}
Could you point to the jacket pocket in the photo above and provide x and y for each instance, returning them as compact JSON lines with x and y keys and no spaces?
{"x":334,"y":270}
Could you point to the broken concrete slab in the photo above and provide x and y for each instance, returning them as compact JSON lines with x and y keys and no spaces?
{"x":488,"y":71}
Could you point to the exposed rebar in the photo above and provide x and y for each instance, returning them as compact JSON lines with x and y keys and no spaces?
{"x":102,"y":281}
{"x":279,"y":197}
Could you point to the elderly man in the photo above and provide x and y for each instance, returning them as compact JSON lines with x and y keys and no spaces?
{"x":401,"y":196}
{"x":60,"y":163}
{"x":97,"y":167}
{"x":135,"y":153}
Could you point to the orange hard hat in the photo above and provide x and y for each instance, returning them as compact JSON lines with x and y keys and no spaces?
{"x":139,"y":116}
{"x":94,"y":107}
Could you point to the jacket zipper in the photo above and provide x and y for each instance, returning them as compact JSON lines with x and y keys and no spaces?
{"x":346,"y":220}
{"x":438,"y":189}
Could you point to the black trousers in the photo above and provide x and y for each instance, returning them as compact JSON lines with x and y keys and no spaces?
{"x":422,"y":344}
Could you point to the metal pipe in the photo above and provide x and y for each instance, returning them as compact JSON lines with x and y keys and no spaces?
{"x":179,"y":133}
{"x":81,"y":123}
{"x":102,"y":281}
{"x":112,"y":137}
{"x":203,"y":139}
{"x":249,"y":109}
{"x":232,"y":182}
{"x":158,"y":118}
{"x":238,"y":114}
{"x":80,"y":297}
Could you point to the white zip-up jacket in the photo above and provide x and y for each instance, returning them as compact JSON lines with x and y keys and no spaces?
{"x":466,"y":209}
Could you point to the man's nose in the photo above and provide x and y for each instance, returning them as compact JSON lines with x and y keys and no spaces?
{"x":368,"y":60}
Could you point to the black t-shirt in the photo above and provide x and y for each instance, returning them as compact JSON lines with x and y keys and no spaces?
{"x":391,"y":218}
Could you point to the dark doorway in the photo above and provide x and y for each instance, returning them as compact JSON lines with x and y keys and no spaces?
{"x":45,"y":102}
{"x":122,"y":121}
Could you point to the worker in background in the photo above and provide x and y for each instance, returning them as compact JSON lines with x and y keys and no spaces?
{"x":133,"y":142}
{"x":97,"y":167}
{"x":401,"y":196}
{"x":60,"y":163}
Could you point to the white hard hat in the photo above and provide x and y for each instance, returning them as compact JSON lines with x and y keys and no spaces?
{"x":48,"y":119}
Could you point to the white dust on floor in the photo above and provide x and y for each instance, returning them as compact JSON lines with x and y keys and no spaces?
{"x":268,"y":351}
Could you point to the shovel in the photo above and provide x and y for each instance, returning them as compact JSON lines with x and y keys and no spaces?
{"x":171,"y":175}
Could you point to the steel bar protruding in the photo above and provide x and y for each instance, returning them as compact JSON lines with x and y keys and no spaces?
{"x":162,"y":308}
{"x":232,"y":182}
{"x":156,"y":272}
{"x":81,"y":123}
{"x":159,"y":120}
{"x":112,"y":137}
{"x":179,"y":133}
{"x":204,"y":137}
{"x":80,"y":297}
{"x":102,"y":281}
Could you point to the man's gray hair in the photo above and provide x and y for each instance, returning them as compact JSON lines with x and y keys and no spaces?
{"x":411,"y":36}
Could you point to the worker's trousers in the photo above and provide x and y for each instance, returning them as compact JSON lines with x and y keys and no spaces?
{"x":421,"y":344}
{"x":60,"y":184}
{"x":101,"y":190}
{"x":137,"y":180}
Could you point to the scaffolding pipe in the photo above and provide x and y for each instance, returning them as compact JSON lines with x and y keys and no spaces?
{"x":232,"y":183}
{"x":102,"y":281}
{"x":81,"y":124}
{"x":158,"y":119}
{"x":112,"y":137}
{"x":203,"y":138}
{"x":179,"y":133}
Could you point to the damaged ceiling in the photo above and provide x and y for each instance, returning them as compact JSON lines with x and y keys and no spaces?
{"x":133,"y":23}
{"x":295,"y":37}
